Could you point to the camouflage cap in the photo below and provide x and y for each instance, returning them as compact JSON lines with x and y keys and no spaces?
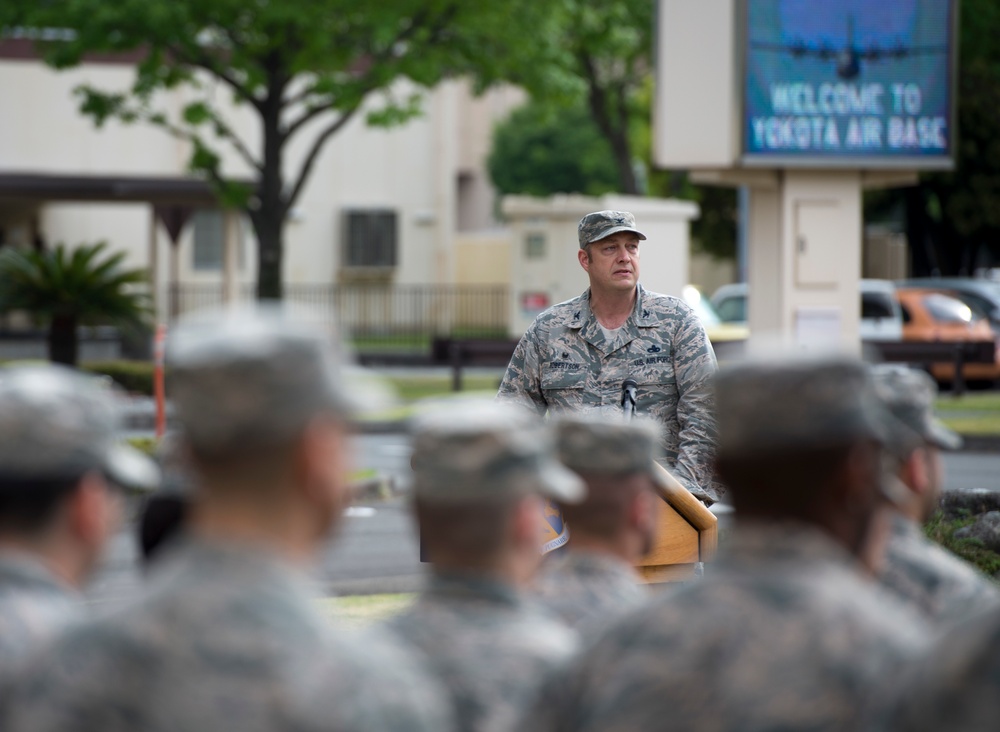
{"x":610,"y":446}
{"x":254,"y":376}
{"x":481,"y":450}
{"x":595,"y":226}
{"x":778,"y":406}
{"x":909,"y":395}
{"x":57,"y":423}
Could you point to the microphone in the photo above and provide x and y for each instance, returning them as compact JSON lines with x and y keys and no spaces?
{"x":629,"y":387}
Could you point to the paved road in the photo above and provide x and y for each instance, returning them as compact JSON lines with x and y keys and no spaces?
{"x":376,"y":549}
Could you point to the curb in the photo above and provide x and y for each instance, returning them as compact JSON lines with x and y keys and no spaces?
{"x":980,"y":443}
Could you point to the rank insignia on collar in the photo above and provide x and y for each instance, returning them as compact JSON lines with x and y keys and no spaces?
{"x":653,"y":349}
{"x":576,"y":315}
{"x":645,"y":313}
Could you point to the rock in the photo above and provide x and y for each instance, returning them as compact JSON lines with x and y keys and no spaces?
{"x":957,"y":504}
{"x":986,"y":529}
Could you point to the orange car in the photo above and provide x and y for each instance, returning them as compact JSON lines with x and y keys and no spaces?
{"x":929,"y":315}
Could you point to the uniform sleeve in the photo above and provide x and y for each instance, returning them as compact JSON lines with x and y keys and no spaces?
{"x":521,"y":382}
{"x":694,"y":366}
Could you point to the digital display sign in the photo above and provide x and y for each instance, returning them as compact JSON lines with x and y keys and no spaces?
{"x":849,"y":82}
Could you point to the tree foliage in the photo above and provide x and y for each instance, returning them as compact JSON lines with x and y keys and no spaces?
{"x":304,"y":68}
{"x":66,"y":289}
{"x":540,"y":150}
{"x":952,"y":220}
{"x":610,"y":43}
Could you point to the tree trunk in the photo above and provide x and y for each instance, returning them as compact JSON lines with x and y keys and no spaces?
{"x":63,"y":345}
{"x":269,"y":217}
{"x":269,"y":228}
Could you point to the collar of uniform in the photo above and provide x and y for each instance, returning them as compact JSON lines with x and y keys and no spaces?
{"x":901,"y":526}
{"x":583,"y":563}
{"x":469,"y":586}
{"x":583,"y":319}
{"x":583,"y":315}
{"x":235,"y":563}
{"x":20,"y":569}
{"x":760,"y":544}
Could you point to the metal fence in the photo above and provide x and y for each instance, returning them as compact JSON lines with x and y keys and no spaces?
{"x":381,"y":317}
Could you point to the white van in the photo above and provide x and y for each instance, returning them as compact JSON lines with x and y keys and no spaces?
{"x":881,"y":315}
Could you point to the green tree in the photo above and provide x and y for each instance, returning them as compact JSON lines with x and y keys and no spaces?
{"x":610,"y":43}
{"x":304,"y":68}
{"x":952,"y":220}
{"x":67,"y":289}
{"x":541,"y":149}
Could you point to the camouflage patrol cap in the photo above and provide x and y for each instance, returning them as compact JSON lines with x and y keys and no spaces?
{"x":779,"y":406}
{"x":58,"y":424}
{"x":480,"y":451}
{"x":610,"y":446}
{"x":254,"y":376}
{"x":600,"y":224}
{"x":909,"y":395}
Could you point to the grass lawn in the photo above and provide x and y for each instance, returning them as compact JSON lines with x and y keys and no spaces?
{"x":971,"y":550}
{"x":412,"y":388}
{"x":362,"y":610}
{"x":970,"y":402}
{"x":971,"y":414}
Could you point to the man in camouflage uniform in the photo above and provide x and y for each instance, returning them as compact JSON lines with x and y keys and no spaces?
{"x":479,"y":470}
{"x":60,"y":463}
{"x":226,"y":635}
{"x":956,"y":687}
{"x":594,"y":580}
{"x":576,"y":355}
{"x":935,"y":582}
{"x":787,"y":632}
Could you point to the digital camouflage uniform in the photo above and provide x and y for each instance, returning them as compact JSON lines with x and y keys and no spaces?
{"x":956,"y":687}
{"x":589,"y":587}
{"x":34,"y":606}
{"x":942,"y":587}
{"x":918,"y":571}
{"x":787,"y":632}
{"x":56,"y":425}
{"x":783,"y":634}
{"x":564,"y":363}
{"x":225,"y":637}
{"x":486,"y":645}
{"x":587,"y":590}
{"x":482,"y":639}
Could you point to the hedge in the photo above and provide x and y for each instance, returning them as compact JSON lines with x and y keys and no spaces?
{"x":133,"y":376}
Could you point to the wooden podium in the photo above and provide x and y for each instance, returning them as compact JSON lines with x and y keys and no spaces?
{"x":687,"y":533}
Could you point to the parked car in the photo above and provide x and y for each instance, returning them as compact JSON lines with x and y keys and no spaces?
{"x":980,"y":295}
{"x":929,"y":315}
{"x":881,"y":317}
{"x":727,"y":338}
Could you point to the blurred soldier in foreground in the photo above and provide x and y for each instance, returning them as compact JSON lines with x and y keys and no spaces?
{"x":787,"y":633}
{"x":576,"y":355}
{"x":921,"y":573}
{"x":479,"y":470}
{"x":164,"y":513}
{"x":60,"y":463}
{"x":593,"y":580}
{"x":957,"y":687}
{"x":227,"y":635}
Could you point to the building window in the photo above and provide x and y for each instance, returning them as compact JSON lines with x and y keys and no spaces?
{"x":209,"y":239}
{"x":534,"y":246}
{"x":370,"y":238}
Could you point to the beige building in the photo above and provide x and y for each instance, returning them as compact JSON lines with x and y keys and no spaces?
{"x":406,"y":206}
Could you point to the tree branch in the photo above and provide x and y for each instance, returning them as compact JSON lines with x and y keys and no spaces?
{"x":314,"y":151}
{"x":203,"y":60}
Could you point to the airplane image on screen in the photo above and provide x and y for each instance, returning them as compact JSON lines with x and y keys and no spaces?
{"x":848,"y":57}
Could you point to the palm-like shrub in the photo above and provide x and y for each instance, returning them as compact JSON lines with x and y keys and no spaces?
{"x":66,"y":289}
